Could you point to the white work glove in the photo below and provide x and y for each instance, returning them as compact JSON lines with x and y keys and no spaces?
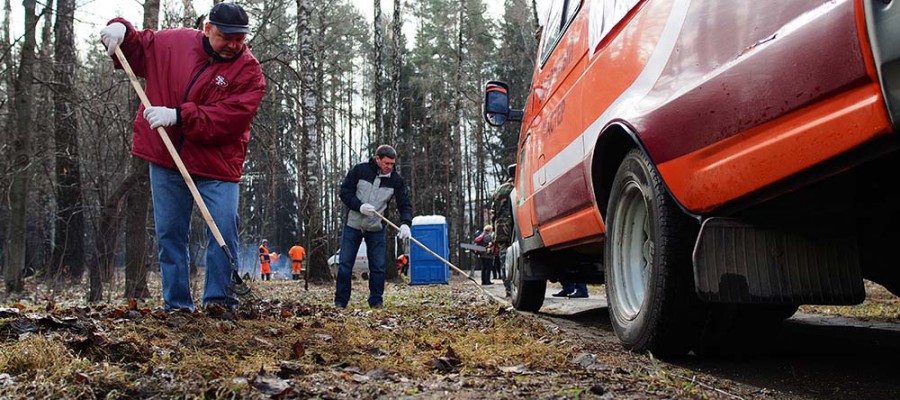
{"x":112,"y":36}
{"x":404,"y":232}
{"x":160,"y":116}
{"x":367,"y":209}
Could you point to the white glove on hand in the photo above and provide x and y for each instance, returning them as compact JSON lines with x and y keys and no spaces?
{"x":404,"y":232}
{"x":160,"y":116}
{"x":367,"y":209}
{"x":112,"y":36}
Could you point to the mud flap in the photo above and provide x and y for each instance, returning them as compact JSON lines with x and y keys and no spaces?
{"x":737,"y":262}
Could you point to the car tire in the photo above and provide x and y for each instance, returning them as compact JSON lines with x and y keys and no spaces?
{"x":526,"y":295}
{"x":647,"y":257}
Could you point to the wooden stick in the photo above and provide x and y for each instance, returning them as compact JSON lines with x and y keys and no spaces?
{"x":428,"y":250}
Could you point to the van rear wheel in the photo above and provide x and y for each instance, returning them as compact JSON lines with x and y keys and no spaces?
{"x":649,"y":275}
{"x":526,"y":295}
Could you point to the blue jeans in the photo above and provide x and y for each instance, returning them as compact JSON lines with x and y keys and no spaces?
{"x":375,"y":243}
{"x":172,"y":207}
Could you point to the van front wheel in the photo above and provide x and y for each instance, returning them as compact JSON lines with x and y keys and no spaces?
{"x":649,"y":276}
{"x":526,"y":295}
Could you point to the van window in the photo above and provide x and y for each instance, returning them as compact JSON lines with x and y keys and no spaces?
{"x":561,"y":14}
{"x":552,"y":28}
{"x":572,"y":7}
{"x":605,"y":15}
{"x":521,"y":167}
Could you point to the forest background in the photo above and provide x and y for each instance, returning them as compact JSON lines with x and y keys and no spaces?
{"x":76,"y":204}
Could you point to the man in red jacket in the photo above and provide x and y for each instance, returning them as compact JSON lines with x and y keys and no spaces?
{"x":205,"y":88}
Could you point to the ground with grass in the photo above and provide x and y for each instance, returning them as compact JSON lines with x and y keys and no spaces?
{"x":435,"y":341}
{"x":880,"y":305}
{"x":429,"y":341}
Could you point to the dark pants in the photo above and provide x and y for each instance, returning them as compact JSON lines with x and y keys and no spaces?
{"x":487,"y":265}
{"x":266,"y":277}
{"x":570,"y":287}
{"x":375,"y":244}
{"x":296,"y":277}
{"x":499,"y":270}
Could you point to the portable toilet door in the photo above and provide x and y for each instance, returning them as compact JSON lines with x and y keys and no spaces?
{"x":424,"y":268}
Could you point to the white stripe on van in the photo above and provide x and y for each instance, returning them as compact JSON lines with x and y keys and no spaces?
{"x":573,"y":155}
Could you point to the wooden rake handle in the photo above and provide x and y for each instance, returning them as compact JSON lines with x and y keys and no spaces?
{"x":421,"y":245}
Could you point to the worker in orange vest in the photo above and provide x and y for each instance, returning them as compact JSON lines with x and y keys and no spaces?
{"x":402,"y":264}
{"x":264,"y":260}
{"x":297,"y":253}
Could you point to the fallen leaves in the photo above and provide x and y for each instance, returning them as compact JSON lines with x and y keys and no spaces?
{"x":297,"y":350}
{"x":449,"y":362}
{"x":429,"y":341}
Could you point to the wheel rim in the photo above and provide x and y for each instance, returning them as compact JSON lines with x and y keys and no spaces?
{"x":512,"y":269}
{"x":632,"y":250}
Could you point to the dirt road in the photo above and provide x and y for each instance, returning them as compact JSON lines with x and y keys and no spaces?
{"x":812,"y":356}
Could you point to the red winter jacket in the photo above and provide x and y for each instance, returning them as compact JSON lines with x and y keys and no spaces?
{"x":216,"y":100}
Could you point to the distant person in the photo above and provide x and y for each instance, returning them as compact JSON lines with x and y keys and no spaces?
{"x":297,"y":253}
{"x":205,"y":87}
{"x":501,"y":212}
{"x":402,"y":263}
{"x":265,"y":259}
{"x":367,"y":189}
{"x":486,"y":239}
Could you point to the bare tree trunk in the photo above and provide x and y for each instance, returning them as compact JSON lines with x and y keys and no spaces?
{"x":377,"y":86}
{"x":21,"y":161}
{"x":7,"y":50}
{"x":107,"y":238}
{"x":350,"y":123}
{"x":137,"y":204}
{"x":188,"y":19}
{"x":396,"y":65}
{"x":455,"y":199}
{"x":68,"y":251}
{"x":318,"y":270}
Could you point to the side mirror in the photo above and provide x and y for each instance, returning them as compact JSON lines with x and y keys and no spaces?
{"x":496,"y":104}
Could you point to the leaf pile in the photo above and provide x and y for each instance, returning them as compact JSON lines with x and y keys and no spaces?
{"x":429,"y":341}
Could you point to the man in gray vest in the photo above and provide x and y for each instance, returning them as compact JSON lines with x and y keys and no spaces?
{"x":368,"y":188}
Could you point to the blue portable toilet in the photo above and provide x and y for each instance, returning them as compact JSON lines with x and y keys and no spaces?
{"x":425,"y":268}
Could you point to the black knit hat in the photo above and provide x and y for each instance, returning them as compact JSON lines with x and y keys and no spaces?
{"x":230,"y":18}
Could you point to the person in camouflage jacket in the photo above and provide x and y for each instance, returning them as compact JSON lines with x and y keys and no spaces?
{"x":501,"y":212}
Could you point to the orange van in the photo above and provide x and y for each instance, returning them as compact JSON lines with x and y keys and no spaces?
{"x":716,"y":163}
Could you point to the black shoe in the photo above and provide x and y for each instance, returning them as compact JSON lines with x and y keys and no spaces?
{"x":578,"y":295}
{"x":339,"y":305}
{"x":486,"y":283}
{"x":379,"y":305}
{"x":561,"y":293}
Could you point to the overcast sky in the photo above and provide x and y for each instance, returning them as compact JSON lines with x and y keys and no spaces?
{"x":92,"y":15}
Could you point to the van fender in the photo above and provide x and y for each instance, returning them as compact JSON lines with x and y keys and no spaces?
{"x":615,"y":140}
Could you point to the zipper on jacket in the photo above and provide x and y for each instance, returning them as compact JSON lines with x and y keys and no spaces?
{"x":209,"y":62}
